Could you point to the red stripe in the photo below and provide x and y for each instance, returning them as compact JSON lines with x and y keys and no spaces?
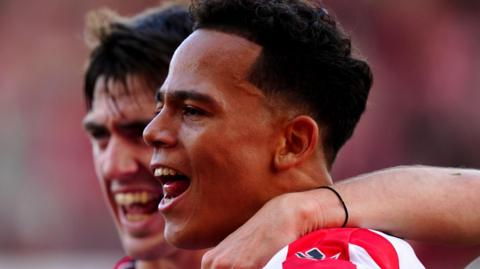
{"x":378,"y":247}
{"x":334,"y":245}
{"x":125,"y":263}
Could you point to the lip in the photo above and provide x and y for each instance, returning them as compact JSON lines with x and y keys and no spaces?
{"x":139,"y":227}
{"x":167,"y":205}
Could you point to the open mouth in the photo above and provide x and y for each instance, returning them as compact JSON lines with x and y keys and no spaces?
{"x":174,"y":183}
{"x":137,"y":205}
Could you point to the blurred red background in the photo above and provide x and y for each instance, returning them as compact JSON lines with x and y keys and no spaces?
{"x":422,"y":110}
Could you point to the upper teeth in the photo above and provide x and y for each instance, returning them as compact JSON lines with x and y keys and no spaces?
{"x":132,"y":197}
{"x":163,"y":171}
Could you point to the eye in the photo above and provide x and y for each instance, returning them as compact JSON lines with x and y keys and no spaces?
{"x":99,"y":134}
{"x":191,"y":111}
{"x":158,"y":108}
{"x":135,"y":133}
{"x":99,"y":138}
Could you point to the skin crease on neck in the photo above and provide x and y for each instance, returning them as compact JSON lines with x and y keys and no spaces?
{"x":222,"y":133}
{"x":115,"y":125}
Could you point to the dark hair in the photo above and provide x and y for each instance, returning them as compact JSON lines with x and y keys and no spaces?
{"x":141,"y":46}
{"x":306,"y":59}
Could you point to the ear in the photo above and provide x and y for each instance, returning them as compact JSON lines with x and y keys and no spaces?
{"x":300,"y":141}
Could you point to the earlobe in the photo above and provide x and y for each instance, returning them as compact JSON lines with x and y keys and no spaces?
{"x":299,"y":142}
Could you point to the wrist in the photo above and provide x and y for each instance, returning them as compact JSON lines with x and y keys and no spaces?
{"x":313,"y":210}
{"x":326,"y":210}
{"x":342,"y":203}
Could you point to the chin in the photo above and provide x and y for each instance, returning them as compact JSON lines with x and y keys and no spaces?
{"x":191,"y":240}
{"x":181,"y":239}
{"x":147,"y":248}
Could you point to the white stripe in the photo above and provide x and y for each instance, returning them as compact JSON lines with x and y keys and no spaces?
{"x":406,"y":256}
{"x":474,"y":264}
{"x":277,"y":260}
{"x":360,"y":257}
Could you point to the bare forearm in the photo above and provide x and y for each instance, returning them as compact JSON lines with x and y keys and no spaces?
{"x":421,"y":203}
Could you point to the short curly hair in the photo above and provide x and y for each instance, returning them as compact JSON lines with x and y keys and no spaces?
{"x":142,"y":45}
{"x":306,"y":59}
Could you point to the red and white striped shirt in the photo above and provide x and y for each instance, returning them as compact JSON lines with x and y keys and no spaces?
{"x":125,"y":263}
{"x":346,"y":248}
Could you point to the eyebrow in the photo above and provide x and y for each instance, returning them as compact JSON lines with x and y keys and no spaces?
{"x":91,"y":126}
{"x":183,"y":95}
{"x":133,"y":125}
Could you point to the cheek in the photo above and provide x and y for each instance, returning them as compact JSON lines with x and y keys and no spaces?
{"x":228,"y":167}
{"x":231,"y":150}
{"x":232,"y":166}
{"x":97,"y":162}
{"x":144,"y":155}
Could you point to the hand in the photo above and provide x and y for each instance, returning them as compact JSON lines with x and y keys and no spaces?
{"x":280,"y":221}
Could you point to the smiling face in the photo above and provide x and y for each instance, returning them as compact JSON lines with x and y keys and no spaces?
{"x":121,"y":161}
{"x":213,"y":140}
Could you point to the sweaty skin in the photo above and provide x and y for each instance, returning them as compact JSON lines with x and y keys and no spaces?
{"x":414,"y":202}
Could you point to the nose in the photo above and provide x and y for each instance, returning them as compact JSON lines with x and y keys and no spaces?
{"x":119,"y":160}
{"x":160,"y":132}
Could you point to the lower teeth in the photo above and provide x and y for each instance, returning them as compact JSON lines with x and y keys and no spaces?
{"x":166,"y":199}
{"x":136,"y":217}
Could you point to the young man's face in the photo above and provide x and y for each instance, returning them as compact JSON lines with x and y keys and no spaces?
{"x":213,"y":140}
{"x":121,"y":160}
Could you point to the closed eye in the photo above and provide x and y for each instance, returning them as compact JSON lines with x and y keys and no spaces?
{"x":99,"y":137}
{"x":99,"y":134}
{"x":96,"y":131}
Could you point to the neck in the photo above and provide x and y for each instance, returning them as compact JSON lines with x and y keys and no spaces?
{"x":305,"y":177}
{"x":183,"y":259}
{"x":155,"y":264}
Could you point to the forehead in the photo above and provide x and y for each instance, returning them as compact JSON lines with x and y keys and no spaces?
{"x":114,"y":99}
{"x":214,"y":56}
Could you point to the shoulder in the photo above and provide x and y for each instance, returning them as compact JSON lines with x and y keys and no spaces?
{"x":125,"y":263}
{"x":346,"y":248}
